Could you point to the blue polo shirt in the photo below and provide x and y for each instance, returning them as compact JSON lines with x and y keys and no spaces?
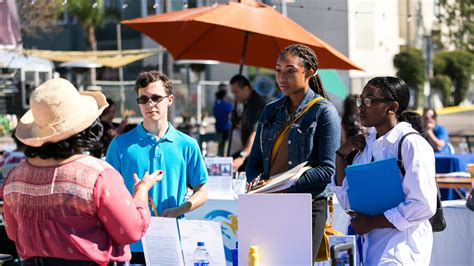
{"x":177,"y":154}
{"x":441,"y":133}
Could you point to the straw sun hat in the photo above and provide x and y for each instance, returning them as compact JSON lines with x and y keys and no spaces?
{"x":58,"y":111}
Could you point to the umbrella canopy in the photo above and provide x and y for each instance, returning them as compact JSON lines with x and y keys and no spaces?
{"x":234,"y":31}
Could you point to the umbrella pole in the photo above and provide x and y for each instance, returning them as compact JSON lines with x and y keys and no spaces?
{"x":244,"y":50}
{"x":234,"y":111}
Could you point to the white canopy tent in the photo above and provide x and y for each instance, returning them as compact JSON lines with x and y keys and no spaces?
{"x":32,"y":71}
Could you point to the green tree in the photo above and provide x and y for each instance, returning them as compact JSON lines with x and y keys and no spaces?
{"x":90,"y":15}
{"x":459,"y":67}
{"x":443,"y":84}
{"x":458,"y":17}
{"x":410,"y":68}
{"x":38,"y":17}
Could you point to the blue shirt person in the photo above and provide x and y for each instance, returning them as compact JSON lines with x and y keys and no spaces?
{"x":222,"y":110}
{"x":438,"y":136}
{"x":156,"y":145}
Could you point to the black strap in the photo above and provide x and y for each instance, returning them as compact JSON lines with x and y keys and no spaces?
{"x":399,"y":161}
{"x":402,"y":169}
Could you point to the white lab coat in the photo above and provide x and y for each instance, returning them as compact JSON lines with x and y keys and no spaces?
{"x":411,"y":241}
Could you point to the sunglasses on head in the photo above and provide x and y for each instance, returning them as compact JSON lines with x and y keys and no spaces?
{"x":368,"y":101}
{"x":154,"y":98}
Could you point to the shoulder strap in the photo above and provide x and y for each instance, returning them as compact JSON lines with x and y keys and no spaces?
{"x":282,"y":134}
{"x":399,"y":161}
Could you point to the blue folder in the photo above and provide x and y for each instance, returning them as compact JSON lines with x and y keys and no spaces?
{"x":374,"y":187}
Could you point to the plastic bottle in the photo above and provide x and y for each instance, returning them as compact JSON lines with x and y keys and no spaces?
{"x":253,"y":256}
{"x":201,"y":256}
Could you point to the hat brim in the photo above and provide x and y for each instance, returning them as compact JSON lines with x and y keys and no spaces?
{"x":27,"y":127}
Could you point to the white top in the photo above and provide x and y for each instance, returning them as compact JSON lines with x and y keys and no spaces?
{"x":411,"y":241}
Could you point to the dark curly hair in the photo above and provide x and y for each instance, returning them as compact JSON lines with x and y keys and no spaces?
{"x":310,"y":61}
{"x":350,"y":117}
{"x":85,"y":140}
{"x":145,"y":78}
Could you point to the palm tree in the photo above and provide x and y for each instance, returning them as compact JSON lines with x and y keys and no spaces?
{"x":90,"y":14}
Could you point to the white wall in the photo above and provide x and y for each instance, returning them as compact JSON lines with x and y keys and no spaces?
{"x":368,"y":38}
{"x":373,"y":39}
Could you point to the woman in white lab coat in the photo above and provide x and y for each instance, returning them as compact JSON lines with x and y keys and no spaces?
{"x":401,"y":235}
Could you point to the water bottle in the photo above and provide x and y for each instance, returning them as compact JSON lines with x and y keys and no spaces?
{"x":201,"y":256}
{"x":253,"y":256}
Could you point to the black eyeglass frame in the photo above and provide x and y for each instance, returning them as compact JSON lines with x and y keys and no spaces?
{"x":156,"y":98}
{"x":368,"y":101}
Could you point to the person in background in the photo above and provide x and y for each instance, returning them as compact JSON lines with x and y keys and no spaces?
{"x":437,"y":134}
{"x":253,"y":106}
{"x":222,"y":111}
{"x":11,"y":159}
{"x":401,"y":235}
{"x":63,"y":207}
{"x":155,"y":144}
{"x":111,"y":129}
{"x":350,"y":123}
{"x":312,"y":138}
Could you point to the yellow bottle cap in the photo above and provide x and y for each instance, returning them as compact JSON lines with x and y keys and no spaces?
{"x":253,"y":249}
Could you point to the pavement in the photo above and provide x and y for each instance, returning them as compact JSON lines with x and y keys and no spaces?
{"x":458,"y":123}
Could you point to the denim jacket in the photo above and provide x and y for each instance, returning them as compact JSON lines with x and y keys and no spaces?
{"x":314,"y":137}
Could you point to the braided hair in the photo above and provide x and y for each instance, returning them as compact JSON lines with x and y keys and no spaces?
{"x":394,"y":89}
{"x":310,"y":61}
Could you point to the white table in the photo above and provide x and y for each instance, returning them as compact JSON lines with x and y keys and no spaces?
{"x":453,"y":246}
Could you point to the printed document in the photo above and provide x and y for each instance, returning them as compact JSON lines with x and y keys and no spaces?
{"x":170,"y":241}
{"x":282,"y":181}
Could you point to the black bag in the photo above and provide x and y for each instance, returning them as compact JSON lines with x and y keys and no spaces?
{"x":470,"y":201}
{"x":438,"y":223}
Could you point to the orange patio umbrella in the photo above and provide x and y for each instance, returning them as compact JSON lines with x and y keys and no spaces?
{"x":247,"y":33}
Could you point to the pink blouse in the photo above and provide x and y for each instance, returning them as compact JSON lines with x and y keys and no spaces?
{"x":80,"y":210}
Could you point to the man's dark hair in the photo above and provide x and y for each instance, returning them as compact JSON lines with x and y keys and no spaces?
{"x":220,"y":94}
{"x":241,"y":81}
{"x":145,"y":78}
{"x":85,"y":140}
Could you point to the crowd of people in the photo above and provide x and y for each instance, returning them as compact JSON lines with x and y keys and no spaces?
{"x":63,"y":206}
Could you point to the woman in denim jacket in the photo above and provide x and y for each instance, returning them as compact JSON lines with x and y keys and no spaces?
{"x":314,"y":137}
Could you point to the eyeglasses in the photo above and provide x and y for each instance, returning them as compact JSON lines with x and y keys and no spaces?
{"x":368,"y":101}
{"x":154,"y":98}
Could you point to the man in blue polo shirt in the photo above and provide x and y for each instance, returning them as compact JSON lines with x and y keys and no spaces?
{"x":156,"y":145}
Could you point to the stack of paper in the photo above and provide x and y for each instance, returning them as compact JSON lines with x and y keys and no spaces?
{"x":282,"y":181}
{"x":454,"y":174}
{"x":374,"y":187}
